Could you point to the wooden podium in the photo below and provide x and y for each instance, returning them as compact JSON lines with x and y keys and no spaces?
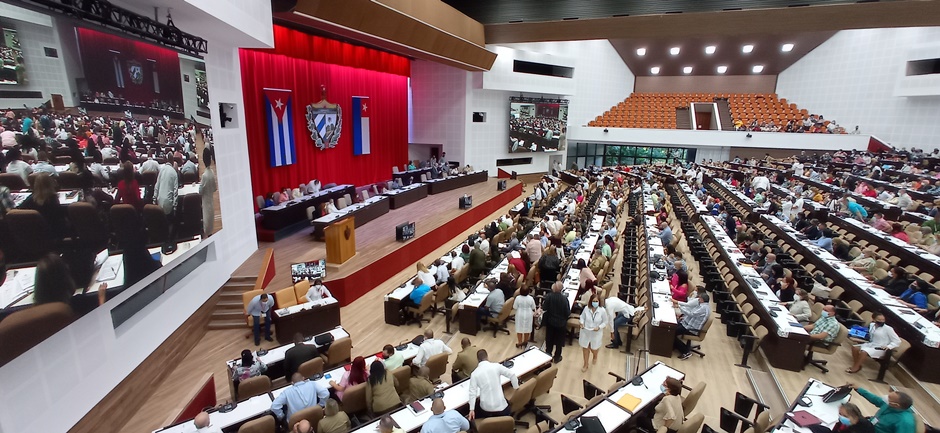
{"x":341,"y":240}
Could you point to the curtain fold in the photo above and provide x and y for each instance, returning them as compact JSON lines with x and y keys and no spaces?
{"x":388,"y":106}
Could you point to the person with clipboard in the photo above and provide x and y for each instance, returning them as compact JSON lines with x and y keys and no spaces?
{"x":873,"y":344}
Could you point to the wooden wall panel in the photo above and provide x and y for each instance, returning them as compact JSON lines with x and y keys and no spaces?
{"x":709,"y":84}
{"x":113,"y":411}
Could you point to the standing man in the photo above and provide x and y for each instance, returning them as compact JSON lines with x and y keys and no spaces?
{"x":485,"y":384}
{"x":207,"y":189}
{"x":166,"y":190}
{"x":261,"y":305}
{"x":619,"y":314}
{"x":297,"y":355}
{"x":555,"y":309}
{"x":444,"y":421}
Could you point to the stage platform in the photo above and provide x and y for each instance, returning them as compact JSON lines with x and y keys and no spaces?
{"x":378,"y":255}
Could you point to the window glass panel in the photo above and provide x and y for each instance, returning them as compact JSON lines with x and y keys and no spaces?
{"x":613,"y":150}
{"x":599,"y":160}
{"x":573,"y":150}
{"x":641,"y":161}
{"x":643,"y":151}
{"x":611,"y":160}
{"x":659,"y":160}
{"x":626,"y":160}
{"x":627,"y":150}
{"x":659,"y":152}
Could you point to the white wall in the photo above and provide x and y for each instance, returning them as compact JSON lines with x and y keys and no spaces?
{"x":439,"y":106}
{"x":52,"y":386}
{"x":716,"y":139}
{"x":852,"y":77}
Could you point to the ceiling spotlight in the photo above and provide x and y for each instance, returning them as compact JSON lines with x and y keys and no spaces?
{"x":654,"y":70}
{"x":674,"y":51}
{"x":722,"y":69}
{"x":710,"y":49}
{"x":747,"y":48}
{"x":757,"y":69}
{"x":687,"y":70}
{"x":786,"y":48}
{"x":641,"y":51}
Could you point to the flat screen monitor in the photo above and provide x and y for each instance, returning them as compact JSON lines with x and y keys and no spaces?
{"x":465,"y":202}
{"x":405,"y":231}
{"x":308,"y":270}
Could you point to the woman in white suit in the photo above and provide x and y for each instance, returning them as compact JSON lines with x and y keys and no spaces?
{"x":593,"y":321}
{"x":524,"y":307}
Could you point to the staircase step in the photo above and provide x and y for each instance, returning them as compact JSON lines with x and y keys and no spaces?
{"x":228,"y":314}
{"x":229,"y":305}
{"x":239,"y":285}
{"x":227,"y":324}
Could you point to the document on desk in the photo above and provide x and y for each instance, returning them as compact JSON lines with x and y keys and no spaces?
{"x":19,"y":284}
{"x":110,"y":268}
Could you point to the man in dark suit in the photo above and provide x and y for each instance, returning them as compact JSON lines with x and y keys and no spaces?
{"x":297,"y":355}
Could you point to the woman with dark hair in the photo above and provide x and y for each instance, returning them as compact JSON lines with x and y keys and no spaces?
{"x":585,"y":275}
{"x":249,"y":366}
{"x":851,"y":420}
{"x":78,"y":166}
{"x":549,"y":265}
{"x":507,"y":284}
{"x":786,"y":289}
{"x":45,"y":200}
{"x":381,"y":393}
{"x":354,"y":376}
{"x":669,"y":413}
{"x":896,"y":283}
{"x":53,"y":281}
{"x":128,"y":190}
{"x":680,"y":290}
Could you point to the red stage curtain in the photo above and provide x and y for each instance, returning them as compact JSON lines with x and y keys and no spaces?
{"x":301,"y":45}
{"x":388,"y":105}
{"x":99,"y":51}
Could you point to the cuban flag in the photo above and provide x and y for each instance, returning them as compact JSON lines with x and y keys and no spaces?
{"x":360,"y":110}
{"x":280,"y":126}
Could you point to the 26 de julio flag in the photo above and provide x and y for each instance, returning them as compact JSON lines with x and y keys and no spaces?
{"x":360,"y":110}
{"x":280,"y":126}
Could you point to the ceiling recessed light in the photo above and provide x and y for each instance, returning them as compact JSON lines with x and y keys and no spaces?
{"x":674,"y":51}
{"x":757,"y":69}
{"x":786,"y":47}
{"x":710,"y":49}
{"x":747,"y":48}
{"x":722,"y":69}
{"x":654,"y":70}
{"x":687,"y":70}
{"x":641,"y":51}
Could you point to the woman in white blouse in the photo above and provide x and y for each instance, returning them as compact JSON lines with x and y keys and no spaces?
{"x":427,"y":277}
{"x":318,"y":291}
{"x":593,"y":321}
{"x":524,"y":307}
{"x":800,"y":308}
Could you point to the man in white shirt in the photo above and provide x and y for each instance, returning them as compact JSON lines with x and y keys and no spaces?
{"x":797,"y":168}
{"x":440,"y":272}
{"x":904,"y":200}
{"x":42,"y":165}
{"x":150,"y":166}
{"x":166,"y":190}
{"x":430,"y":347}
{"x":189,"y":166}
{"x":456,"y":262}
{"x":202,"y":424}
{"x":486,"y":385}
{"x":761,"y":182}
{"x":484,"y":244}
{"x":619,"y":313}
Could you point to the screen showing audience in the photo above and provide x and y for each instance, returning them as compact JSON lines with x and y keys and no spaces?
{"x":537,"y":125}
{"x":308,"y":271}
{"x":105,"y":145}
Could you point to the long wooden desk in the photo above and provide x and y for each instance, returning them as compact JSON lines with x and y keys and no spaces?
{"x":909,"y":254}
{"x":294,"y":211}
{"x":786,"y":344}
{"x":308,"y":318}
{"x":663,"y":315}
{"x":828,"y":413}
{"x":407,"y":195}
{"x":411,"y":176}
{"x":364,"y":212}
{"x":924,"y":355}
{"x":437,"y":186}
{"x":457,"y":395}
{"x":616,"y":418}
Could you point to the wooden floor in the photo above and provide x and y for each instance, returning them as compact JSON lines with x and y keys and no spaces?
{"x":370,"y":333}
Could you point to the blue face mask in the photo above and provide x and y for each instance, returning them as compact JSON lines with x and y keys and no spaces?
{"x":594,"y":304}
{"x":844,"y":420}
{"x":662,"y":388}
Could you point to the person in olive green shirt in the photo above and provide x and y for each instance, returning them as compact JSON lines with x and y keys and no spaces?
{"x":894,"y":414}
{"x":934,"y":224}
{"x":419,"y":386}
{"x":334,"y":420}
{"x":466,"y":360}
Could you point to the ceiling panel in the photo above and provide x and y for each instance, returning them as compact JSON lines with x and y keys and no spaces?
{"x":728,"y":52}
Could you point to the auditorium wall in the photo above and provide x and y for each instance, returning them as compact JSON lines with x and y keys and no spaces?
{"x":851,"y":78}
{"x":707,"y":84}
{"x":51,"y":387}
{"x":439,"y":106}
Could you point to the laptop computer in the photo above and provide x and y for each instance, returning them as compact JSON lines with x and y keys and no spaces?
{"x":836,"y":394}
{"x":860,"y":332}
{"x":591,"y":424}
{"x":803,"y":418}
